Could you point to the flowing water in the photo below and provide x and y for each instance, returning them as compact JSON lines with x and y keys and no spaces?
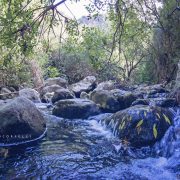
{"x":84,"y":149}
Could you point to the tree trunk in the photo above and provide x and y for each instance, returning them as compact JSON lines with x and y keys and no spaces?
{"x":36,"y":74}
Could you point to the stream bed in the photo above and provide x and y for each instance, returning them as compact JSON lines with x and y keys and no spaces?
{"x":84,"y":149}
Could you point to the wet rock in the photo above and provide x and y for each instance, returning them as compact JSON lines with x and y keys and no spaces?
{"x":176,"y":94}
{"x":140,"y":125}
{"x":46,"y":98}
{"x":3,"y":102}
{"x":75,"y":108}
{"x":163,"y":102}
{"x":30,"y":94}
{"x":20,"y":121}
{"x":112,"y":101}
{"x":140,"y":102}
{"x":61,"y":94}
{"x":56,"y":81}
{"x":85,"y":85}
{"x":151,"y":91}
{"x":84,"y":95}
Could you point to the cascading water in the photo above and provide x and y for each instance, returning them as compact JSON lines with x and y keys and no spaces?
{"x":84,"y":149}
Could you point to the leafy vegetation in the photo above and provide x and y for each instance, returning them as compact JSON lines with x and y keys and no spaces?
{"x":134,"y":41}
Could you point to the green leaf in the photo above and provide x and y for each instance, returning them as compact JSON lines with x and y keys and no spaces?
{"x":122,"y":125}
{"x":139,"y":123}
{"x":145,"y":113}
{"x":158,"y":115}
{"x":155,"y":131}
{"x":167,"y":119}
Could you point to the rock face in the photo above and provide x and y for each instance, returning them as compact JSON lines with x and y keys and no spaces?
{"x":75,"y":108}
{"x":58,"y":81}
{"x":86,"y":85}
{"x":61,"y":94}
{"x":112,"y":101}
{"x":140,"y":125}
{"x":20,"y":121}
{"x":30,"y":94}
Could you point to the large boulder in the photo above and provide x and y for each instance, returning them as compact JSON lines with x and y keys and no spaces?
{"x":47,"y":92}
{"x":50,"y":89}
{"x":114,"y":100}
{"x":20,"y":121}
{"x":86,"y":85}
{"x":61,"y":94}
{"x":140,"y":125}
{"x":107,"y":85}
{"x":6,"y":93}
{"x":157,"y":88}
{"x":162,"y":102}
{"x":176,"y":94}
{"x":56,"y":81}
{"x":75,"y":108}
{"x":152,"y":91}
{"x":30,"y":94}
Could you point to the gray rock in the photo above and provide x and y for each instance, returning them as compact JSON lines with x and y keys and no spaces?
{"x":163,"y":102}
{"x":112,"y":101}
{"x":176,"y":94}
{"x":47,"y":98}
{"x":30,"y":94}
{"x":56,"y":81}
{"x":84,"y":95}
{"x":20,"y":121}
{"x":152,"y":91}
{"x":75,"y":108}
{"x":86,"y":85}
{"x":50,"y":89}
{"x":141,"y":102}
{"x":48,"y":92}
{"x":107,"y":85}
{"x":61,"y":94}
{"x":6,"y":94}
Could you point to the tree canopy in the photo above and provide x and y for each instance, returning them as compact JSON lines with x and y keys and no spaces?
{"x":139,"y":37}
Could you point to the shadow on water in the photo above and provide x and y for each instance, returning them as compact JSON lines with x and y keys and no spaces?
{"x":80,"y":149}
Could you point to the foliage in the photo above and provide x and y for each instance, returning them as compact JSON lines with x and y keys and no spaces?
{"x":139,"y":42}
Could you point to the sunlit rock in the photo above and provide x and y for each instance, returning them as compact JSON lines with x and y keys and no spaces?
{"x":86,"y":85}
{"x":30,"y":94}
{"x":56,"y":81}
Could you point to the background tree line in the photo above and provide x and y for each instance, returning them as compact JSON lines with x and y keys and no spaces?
{"x":134,"y":41}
